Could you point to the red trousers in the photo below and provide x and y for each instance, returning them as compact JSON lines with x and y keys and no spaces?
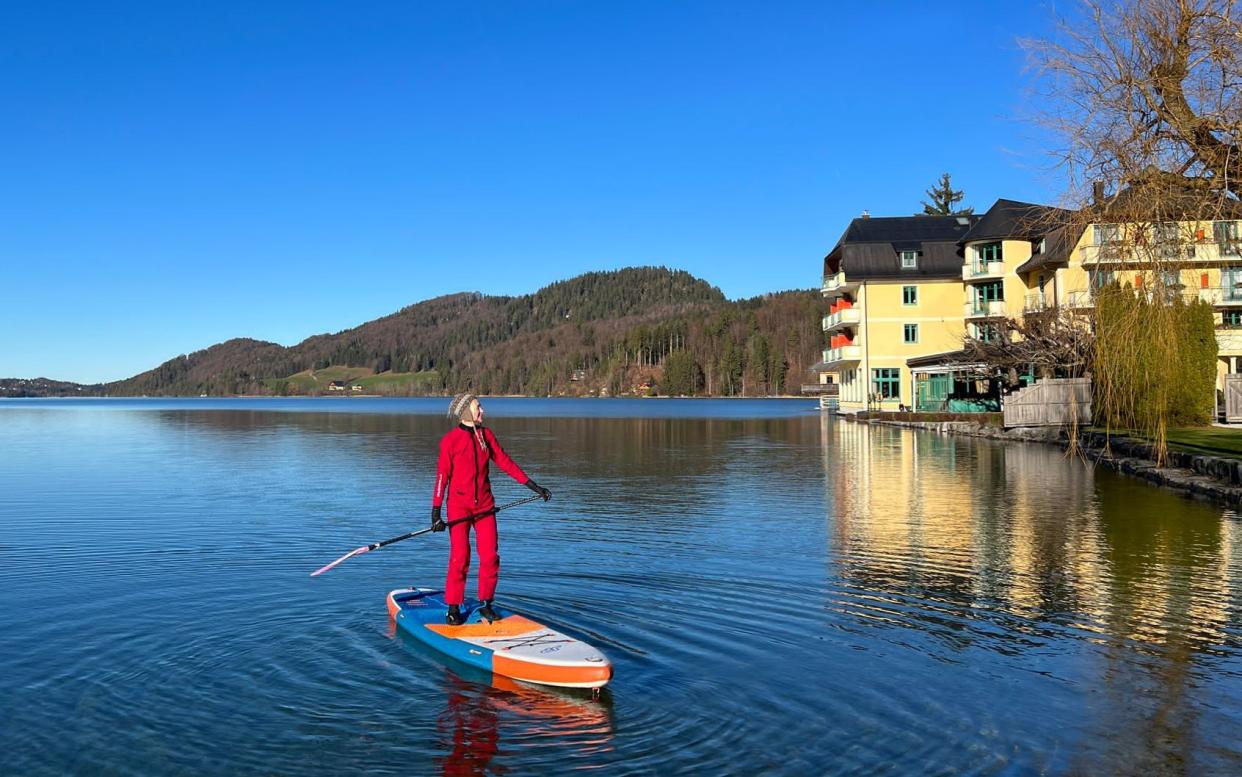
{"x":459,"y":559}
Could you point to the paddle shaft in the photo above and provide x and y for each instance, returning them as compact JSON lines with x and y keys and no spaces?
{"x":455,"y":521}
{"x":406,"y":536}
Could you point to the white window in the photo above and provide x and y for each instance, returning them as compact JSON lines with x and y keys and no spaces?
{"x":1106,"y":234}
{"x":1166,"y":232}
{"x":1226,"y":235}
{"x":909,"y":260}
{"x":988,"y":252}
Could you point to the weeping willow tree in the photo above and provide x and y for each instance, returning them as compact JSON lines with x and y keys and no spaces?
{"x":1147,"y":96}
{"x":1154,"y":361}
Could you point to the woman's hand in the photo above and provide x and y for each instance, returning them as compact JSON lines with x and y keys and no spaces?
{"x":538,"y":489}
{"x":437,"y":523}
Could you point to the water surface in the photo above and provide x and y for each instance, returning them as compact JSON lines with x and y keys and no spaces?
{"x":779,"y":592}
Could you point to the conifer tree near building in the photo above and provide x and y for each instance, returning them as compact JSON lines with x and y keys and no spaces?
{"x":943,"y":199}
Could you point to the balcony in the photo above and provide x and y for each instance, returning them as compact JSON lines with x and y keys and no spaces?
{"x":842,"y":318}
{"x":843,"y":354}
{"x":1033,"y":303}
{"x":1218,"y":296}
{"x":985,"y":309}
{"x":836,"y":285}
{"x":1080,"y":299}
{"x":983,"y":271}
{"x":1228,"y":339}
{"x":1125,"y":254}
{"x":1224,"y":296}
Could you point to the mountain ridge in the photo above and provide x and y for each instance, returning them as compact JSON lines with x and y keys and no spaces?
{"x":603,"y":332}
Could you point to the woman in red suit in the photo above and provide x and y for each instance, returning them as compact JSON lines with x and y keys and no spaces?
{"x":462,"y":474}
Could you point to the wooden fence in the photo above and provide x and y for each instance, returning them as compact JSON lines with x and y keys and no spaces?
{"x":1050,"y":402}
{"x":1233,"y":398}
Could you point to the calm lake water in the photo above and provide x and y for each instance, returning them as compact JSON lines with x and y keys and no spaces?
{"x":780,"y":593}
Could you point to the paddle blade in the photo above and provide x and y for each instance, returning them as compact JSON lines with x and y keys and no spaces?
{"x":348,"y":555}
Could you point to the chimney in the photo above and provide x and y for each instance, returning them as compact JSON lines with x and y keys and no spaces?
{"x":1097,"y":192}
{"x":866,"y":214}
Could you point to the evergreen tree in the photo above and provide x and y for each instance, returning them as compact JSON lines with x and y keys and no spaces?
{"x":730,"y":367}
{"x":757,"y":358}
{"x":681,"y":375}
{"x":943,"y":198}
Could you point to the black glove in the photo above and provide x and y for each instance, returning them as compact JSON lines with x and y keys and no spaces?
{"x":538,"y":489}
{"x":437,"y":523}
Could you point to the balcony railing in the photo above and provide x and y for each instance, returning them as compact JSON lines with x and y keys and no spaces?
{"x":980,"y":271}
{"x":1221,"y":295}
{"x":1080,"y":299}
{"x":1125,"y":253}
{"x":842,"y":354}
{"x":837,"y":284}
{"x":844,"y":317}
{"x":1036,"y":302}
{"x":994,"y":308}
{"x":1228,"y":339}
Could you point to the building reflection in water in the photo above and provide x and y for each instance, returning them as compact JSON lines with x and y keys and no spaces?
{"x":486,"y":715}
{"x":1016,"y":549}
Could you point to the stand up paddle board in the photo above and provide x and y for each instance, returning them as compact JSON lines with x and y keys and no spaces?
{"x":513,"y":646}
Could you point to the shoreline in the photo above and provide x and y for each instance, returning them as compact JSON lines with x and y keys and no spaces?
{"x":399,"y":396}
{"x":1214,"y":478}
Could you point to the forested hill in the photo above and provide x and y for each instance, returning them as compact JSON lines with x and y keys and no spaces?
{"x":646,"y":330}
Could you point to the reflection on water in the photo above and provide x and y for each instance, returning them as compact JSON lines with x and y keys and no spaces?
{"x":484,"y":714}
{"x":779,"y":592}
{"x":1016,"y":549}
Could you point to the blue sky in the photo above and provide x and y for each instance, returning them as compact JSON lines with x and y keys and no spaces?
{"x":176,"y":174}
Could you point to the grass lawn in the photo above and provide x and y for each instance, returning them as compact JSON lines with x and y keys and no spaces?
{"x":309,"y":380}
{"x":397,"y":382}
{"x":384,"y":383}
{"x":1208,"y":440}
{"x":1211,"y":440}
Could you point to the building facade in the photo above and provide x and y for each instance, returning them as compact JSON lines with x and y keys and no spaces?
{"x":894,"y":291}
{"x":904,"y":292}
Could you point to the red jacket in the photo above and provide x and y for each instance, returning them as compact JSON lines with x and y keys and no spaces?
{"x":463,"y":468}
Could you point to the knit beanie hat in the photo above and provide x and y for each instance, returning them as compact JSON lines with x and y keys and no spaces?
{"x":460,"y":404}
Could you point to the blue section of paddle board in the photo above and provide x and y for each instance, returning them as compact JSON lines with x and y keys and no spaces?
{"x":419,"y":608}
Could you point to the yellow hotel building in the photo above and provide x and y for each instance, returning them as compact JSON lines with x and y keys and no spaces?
{"x":1199,"y":260}
{"x":904,"y":291}
{"x":894,"y":287}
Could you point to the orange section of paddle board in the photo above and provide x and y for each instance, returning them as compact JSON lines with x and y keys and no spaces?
{"x":549,"y":673}
{"x":512,"y":626}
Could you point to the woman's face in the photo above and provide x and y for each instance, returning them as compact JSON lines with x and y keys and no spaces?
{"x":475,"y":413}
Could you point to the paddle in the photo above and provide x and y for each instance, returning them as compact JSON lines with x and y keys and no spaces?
{"x":382,"y":543}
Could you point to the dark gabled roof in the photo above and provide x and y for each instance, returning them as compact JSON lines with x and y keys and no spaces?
{"x":1014,"y":220}
{"x":871,"y":247}
{"x":918,"y":229}
{"x":1057,"y":246}
{"x":1160,"y":201}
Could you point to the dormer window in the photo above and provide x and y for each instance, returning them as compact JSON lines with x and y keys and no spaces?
{"x":909,"y":260}
{"x":1037,"y":247}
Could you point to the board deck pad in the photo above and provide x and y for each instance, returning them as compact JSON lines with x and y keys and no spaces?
{"x":513,"y":646}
